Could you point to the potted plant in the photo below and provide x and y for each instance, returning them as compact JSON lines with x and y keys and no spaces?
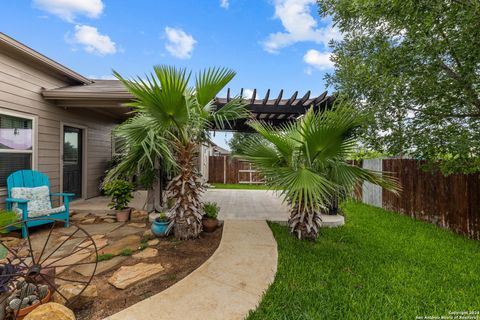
{"x":160,"y":225}
{"x":209,"y":221}
{"x":121,"y":192}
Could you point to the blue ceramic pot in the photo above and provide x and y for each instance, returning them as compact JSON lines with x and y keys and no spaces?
{"x":159,"y":228}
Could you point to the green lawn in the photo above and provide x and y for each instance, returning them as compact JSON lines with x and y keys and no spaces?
{"x":380,"y":265}
{"x":239,"y":186}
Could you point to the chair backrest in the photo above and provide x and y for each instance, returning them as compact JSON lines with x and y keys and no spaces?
{"x":26,"y":179}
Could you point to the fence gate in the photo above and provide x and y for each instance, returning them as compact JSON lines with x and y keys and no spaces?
{"x":225,"y":169}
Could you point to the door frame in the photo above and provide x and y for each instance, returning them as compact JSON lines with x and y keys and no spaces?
{"x":84,"y":155}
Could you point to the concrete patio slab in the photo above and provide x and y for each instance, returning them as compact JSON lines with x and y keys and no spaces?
{"x":227,"y":286}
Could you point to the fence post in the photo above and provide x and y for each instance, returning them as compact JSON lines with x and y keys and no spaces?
{"x":224,"y":169}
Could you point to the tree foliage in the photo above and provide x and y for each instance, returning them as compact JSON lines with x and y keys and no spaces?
{"x":414,"y":66}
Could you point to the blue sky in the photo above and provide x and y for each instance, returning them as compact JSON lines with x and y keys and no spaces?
{"x":276,"y":44}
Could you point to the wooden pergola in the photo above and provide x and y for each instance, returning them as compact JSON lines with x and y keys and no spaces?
{"x":279,"y":110}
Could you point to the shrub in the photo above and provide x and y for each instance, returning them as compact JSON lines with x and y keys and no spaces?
{"x":121,"y":193}
{"x":163,"y":217}
{"x":7,"y":218}
{"x":211,"y":210}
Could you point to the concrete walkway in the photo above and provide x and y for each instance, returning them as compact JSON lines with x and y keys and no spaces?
{"x":227,"y":286}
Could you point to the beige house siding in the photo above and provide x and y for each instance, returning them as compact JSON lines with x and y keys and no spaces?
{"x":21,"y":84}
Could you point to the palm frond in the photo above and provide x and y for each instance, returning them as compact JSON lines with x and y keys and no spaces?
{"x":209,"y":82}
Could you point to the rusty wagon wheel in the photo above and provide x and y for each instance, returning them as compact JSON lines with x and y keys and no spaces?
{"x":33,"y":269}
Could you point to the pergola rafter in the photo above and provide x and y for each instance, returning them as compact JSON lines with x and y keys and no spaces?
{"x":276,"y":111}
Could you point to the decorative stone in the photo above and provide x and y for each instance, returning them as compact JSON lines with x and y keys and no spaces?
{"x":148,"y":234}
{"x":128,"y":275}
{"x":70,"y":260}
{"x":138,"y":215}
{"x":86,"y":270}
{"x":153,"y":242}
{"x":129,"y":242}
{"x":108,"y":220}
{"x":51,"y":311}
{"x":89,"y":221}
{"x":138,"y":225}
{"x":99,"y":243}
{"x":70,"y":291}
{"x":146,"y":253}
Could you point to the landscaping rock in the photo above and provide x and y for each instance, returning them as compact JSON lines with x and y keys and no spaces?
{"x":69,"y":260}
{"x":131,"y":242}
{"x":153,"y":242}
{"x":86,"y":270}
{"x":148,"y":234}
{"x":89,"y":221}
{"x":99,"y":243}
{"x":138,"y":215}
{"x":51,"y":311}
{"x":146,"y":253}
{"x":108,"y":220}
{"x":138,"y":225}
{"x":128,"y":275}
{"x":70,"y":291}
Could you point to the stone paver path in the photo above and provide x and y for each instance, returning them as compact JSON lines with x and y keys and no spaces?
{"x":227,"y":286}
{"x":248,"y":204}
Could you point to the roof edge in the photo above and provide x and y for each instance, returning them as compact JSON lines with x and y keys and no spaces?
{"x":12,"y":43}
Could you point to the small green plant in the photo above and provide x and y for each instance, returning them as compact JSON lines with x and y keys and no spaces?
{"x":163,"y":217}
{"x":211,"y":210}
{"x":121,"y":192}
{"x":7,"y":218}
{"x":143,"y":246}
{"x":126,"y":252}
{"x":104,"y":257}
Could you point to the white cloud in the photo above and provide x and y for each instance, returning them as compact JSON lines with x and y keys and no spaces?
{"x":247,"y":93}
{"x":224,"y":4}
{"x":69,"y":9}
{"x":104,"y":77}
{"x":93,"y":41}
{"x":317,"y":59}
{"x":299,"y":26}
{"x":180,"y":44}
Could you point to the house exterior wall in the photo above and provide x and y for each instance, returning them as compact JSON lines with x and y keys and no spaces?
{"x":21,"y":83}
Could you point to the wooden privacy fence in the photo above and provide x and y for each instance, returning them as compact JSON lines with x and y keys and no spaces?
{"x":226,"y":169}
{"x":450,"y":201}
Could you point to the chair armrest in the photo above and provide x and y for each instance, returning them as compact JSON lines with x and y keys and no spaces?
{"x":62,"y":194}
{"x":16,"y":200}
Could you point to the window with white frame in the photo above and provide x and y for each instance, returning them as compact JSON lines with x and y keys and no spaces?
{"x":16,"y":145}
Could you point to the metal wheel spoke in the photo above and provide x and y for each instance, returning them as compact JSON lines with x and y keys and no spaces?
{"x":15,"y":254}
{"x":61,"y":244}
{"x":68,"y":265}
{"x":11,"y":275}
{"x":53,"y":286}
{"x":29,"y":243}
{"x":48,"y":238}
{"x":59,"y":259}
{"x":65,"y":279}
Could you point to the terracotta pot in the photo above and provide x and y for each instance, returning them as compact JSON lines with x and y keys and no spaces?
{"x":23,"y":312}
{"x":209,"y":225}
{"x":123,"y":215}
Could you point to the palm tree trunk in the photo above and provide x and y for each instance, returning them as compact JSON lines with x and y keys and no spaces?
{"x":304,"y":223}
{"x":186,"y":189}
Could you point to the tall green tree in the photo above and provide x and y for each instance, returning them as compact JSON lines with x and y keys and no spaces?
{"x":415,"y":67}
{"x":172,"y":120}
{"x":237,"y":142}
{"x":306,"y":161}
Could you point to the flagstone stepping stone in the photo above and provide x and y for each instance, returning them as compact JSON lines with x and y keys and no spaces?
{"x":93,"y":229}
{"x":89,"y":221}
{"x":70,"y":290}
{"x":153,"y":242}
{"x":108,"y":220}
{"x":67,"y":261}
{"x":138,"y":215}
{"x":137,"y":225}
{"x":99,"y":243}
{"x":128,"y":275}
{"x":102,"y":267}
{"x":131,"y":242}
{"x":124,"y":231}
{"x":50,"y":311}
{"x":146,"y":253}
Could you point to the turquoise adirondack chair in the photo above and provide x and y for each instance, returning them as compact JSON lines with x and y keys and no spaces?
{"x":29,"y":194}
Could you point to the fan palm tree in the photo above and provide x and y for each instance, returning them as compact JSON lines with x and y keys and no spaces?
{"x":306,"y":160}
{"x":172,"y":120}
